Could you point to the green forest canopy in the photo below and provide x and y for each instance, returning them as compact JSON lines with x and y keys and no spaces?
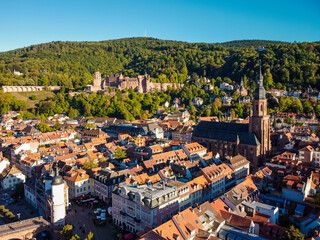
{"x":71,"y":64}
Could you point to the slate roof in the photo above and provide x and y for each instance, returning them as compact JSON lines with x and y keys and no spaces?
{"x":30,"y":130}
{"x":226,"y":132}
{"x":260,"y":92}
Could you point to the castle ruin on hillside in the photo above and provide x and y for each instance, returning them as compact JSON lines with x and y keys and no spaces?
{"x":140,"y":83}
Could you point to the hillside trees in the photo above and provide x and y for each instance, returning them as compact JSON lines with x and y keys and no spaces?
{"x":71,"y":64}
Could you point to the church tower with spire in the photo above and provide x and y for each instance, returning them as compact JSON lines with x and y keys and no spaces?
{"x":259,"y":122}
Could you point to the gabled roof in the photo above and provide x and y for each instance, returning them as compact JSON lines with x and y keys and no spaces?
{"x":30,"y":130}
{"x":145,"y":178}
{"x":268,"y":231}
{"x":219,"y":206}
{"x":9,"y":170}
{"x":194,"y":147}
{"x":187,"y":221}
{"x":161,"y":158}
{"x":226,"y":132}
{"x":236,"y":220}
{"x":215,"y":172}
{"x":166,"y":231}
{"x":206,"y":212}
{"x":197,"y":184}
{"x":242,"y":191}
{"x":238,"y":161}
{"x":156,"y":148}
{"x":307,"y":149}
{"x":76,"y":175}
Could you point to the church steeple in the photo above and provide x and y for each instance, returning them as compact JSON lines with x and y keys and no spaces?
{"x":260,"y":92}
{"x":260,"y":77}
{"x":259,"y":122}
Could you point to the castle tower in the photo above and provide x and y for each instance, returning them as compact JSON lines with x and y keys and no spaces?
{"x":140,"y":84}
{"x":259,"y":122}
{"x":147,"y":83}
{"x":58,"y":210}
{"x":97,"y":79}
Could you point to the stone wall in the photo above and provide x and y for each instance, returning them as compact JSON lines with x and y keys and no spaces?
{"x":28,"y":88}
{"x":19,"y":230}
{"x":164,"y":86}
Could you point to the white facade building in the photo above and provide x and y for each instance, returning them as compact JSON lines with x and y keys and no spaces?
{"x":4,"y":163}
{"x":226,"y":86}
{"x":268,"y":210}
{"x":316,"y":156}
{"x":58,"y":210}
{"x":11,"y":178}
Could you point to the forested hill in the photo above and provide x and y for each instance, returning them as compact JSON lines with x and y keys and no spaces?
{"x":72,"y":64}
{"x":249,"y":43}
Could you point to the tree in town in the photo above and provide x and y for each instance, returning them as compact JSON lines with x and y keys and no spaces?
{"x":56,"y":126}
{"x":44,"y":127}
{"x":90,"y":126}
{"x":216,"y":90}
{"x":235,"y":96}
{"x":73,"y":113}
{"x":103,"y":159}
{"x":67,"y":232}
{"x":293,"y":234}
{"x":268,"y":80}
{"x":307,"y":107}
{"x":120,"y":154}
{"x":274,"y":124}
{"x":297,"y":106}
{"x":289,"y":120}
{"x":316,"y":203}
{"x":75,"y":237}
{"x":217,"y":102}
{"x":90,"y":236}
{"x":25,"y":115}
{"x":90,"y":164}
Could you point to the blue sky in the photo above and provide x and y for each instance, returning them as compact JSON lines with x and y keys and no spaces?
{"x":23,"y":23}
